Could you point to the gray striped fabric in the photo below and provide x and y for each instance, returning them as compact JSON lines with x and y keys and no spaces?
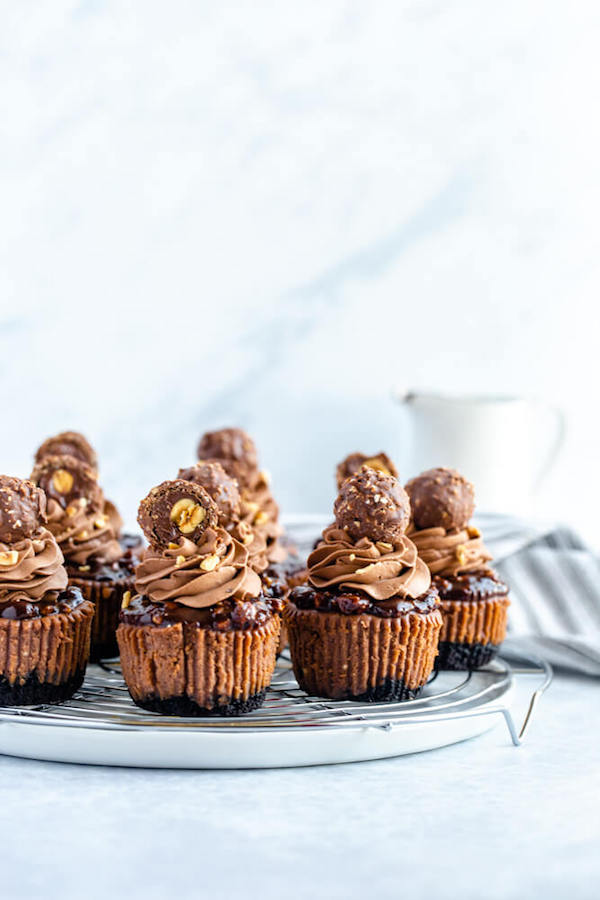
{"x":554,"y":582}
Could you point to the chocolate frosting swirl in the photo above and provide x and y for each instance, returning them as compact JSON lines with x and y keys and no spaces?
{"x":260,"y":511}
{"x":199,"y":575}
{"x":31,"y":567}
{"x":378,"y":568}
{"x":83,"y":536}
{"x":450,"y":552}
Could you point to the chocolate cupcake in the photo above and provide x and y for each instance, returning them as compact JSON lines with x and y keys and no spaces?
{"x":236,"y":452}
{"x":72,"y":443}
{"x":44,"y":626}
{"x":95,"y":560}
{"x":474,"y":601}
{"x":200,"y":636}
{"x":272,"y":554}
{"x":366,"y":625}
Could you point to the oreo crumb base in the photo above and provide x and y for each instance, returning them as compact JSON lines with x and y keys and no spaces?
{"x":463,"y":657}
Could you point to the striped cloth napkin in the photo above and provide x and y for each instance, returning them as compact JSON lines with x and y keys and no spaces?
{"x":554,"y":582}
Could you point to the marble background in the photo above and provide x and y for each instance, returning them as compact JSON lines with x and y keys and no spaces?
{"x":270,"y":213}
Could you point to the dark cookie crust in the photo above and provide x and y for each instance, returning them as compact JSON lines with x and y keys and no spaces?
{"x":373,"y":505}
{"x":176,"y":509}
{"x":223,"y":489}
{"x":185,"y":706}
{"x":355,"y":461}
{"x":68,"y":443}
{"x":441,"y":498}
{"x":22,"y":509}
{"x":464,"y":657}
{"x":67,"y":479}
{"x":34,"y":692}
{"x":389,"y":689}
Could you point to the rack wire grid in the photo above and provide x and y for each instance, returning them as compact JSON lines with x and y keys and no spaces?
{"x":104,"y":703}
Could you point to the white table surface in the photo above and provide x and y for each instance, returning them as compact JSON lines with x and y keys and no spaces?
{"x":480,"y":819}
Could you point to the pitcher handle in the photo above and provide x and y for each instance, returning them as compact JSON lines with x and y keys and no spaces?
{"x":560,"y":431}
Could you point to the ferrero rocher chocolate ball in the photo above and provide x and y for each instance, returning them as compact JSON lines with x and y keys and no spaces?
{"x":236,"y":452}
{"x":22,"y":509}
{"x":441,"y":498}
{"x":373,"y":505}
{"x":66,"y":479}
{"x":355,"y":461}
{"x":222,"y":488}
{"x":68,"y":443}
{"x":174,"y":510}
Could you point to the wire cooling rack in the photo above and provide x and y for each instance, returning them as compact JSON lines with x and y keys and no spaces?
{"x":101,"y":724}
{"x":104,"y":703}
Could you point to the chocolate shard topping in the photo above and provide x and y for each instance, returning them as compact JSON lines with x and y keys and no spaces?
{"x":68,"y":443}
{"x":373,"y":505}
{"x":234,"y":449}
{"x":22,"y":509}
{"x":67,"y":480}
{"x":174,"y":510}
{"x":223,"y":489}
{"x":441,"y":498}
{"x":355,"y":461}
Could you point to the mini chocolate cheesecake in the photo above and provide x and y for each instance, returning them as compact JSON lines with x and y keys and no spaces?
{"x":283,"y":577}
{"x":366,"y":625}
{"x":44,"y":626}
{"x":256,"y":523}
{"x":474,"y":601}
{"x":95,"y":560}
{"x":73,"y":443}
{"x":200,"y":636}
{"x":236,"y":452}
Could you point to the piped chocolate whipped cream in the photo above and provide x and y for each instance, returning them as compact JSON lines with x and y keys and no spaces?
{"x":236,"y":452}
{"x":232,"y":512}
{"x":73,"y":443}
{"x":192,"y":560}
{"x":31,"y":563}
{"x":442,"y":503}
{"x":75,"y":511}
{"x":366,"y":549}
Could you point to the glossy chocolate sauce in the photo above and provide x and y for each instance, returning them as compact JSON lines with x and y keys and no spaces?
{"x":53,"y":602}
{"x":471,"y":586}
{"x":353,"y":603}
{"x":99,"y":571}
{"x":228,"y":615}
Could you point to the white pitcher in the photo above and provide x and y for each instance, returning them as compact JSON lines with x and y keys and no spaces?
{"x":504,"y":445}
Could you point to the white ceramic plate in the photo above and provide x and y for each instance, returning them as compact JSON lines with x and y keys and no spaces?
{"x":101,"y":725}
